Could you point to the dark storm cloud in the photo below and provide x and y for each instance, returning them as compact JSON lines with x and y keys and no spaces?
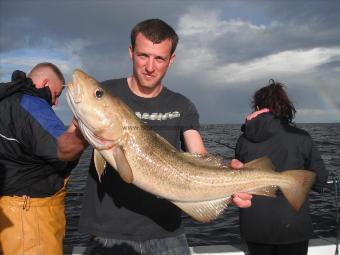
{"x":227,"y":49}
{"x":102,"y":27}
{"x":281,"y":25}
{"x":65,"y":20}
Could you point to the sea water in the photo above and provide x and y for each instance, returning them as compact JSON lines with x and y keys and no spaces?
{"x":225,"y":229}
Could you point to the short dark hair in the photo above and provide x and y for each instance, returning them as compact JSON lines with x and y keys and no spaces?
{"x":155,"y":30}
{"x":274,"y":97}
{"x":53,"y":67}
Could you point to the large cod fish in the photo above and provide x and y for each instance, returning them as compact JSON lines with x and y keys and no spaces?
{"x":199,"y":185}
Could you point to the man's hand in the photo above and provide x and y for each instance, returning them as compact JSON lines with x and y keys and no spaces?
{"x":242,"y":200}
{"x":71,"y":143}
{"x":236,"y":164}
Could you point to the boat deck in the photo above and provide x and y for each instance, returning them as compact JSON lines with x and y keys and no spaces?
{"x":316,"y":247}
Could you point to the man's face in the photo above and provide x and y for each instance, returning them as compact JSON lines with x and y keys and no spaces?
{"x":150,"y":61}
{"x":56,"y":88}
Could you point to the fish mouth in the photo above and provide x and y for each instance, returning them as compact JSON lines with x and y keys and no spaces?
{"x":71,"y":103}
{"x":75,"y":98}
{"x":75,"y":90}
{"x":75,"y":94}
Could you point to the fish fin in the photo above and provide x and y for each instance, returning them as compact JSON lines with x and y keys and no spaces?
{"x":202,"y":159}
{"x":99,"y":163}
{"x":123,"y":166}
{"x":204,"y":211}
{"x":297,"y":191}
{"x":269,"y":191}
{"x":261,"y":164}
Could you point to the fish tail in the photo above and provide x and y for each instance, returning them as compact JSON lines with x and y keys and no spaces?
{"x":297,"y":190}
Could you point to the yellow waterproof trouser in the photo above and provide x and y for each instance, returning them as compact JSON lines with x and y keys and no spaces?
{"x":32,"y":226}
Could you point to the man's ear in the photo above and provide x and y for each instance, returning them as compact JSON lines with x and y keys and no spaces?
{"x":130,"y":52}
{"x":172,"y":58}
{"x":41,"y":84}
{"x":45,"y":83}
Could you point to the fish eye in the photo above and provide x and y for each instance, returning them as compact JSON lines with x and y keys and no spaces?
{"x":99,"y":93}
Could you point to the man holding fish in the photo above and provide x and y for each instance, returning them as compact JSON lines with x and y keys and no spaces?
{"x":123,"y":218}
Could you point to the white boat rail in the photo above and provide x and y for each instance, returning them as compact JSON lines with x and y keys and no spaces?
{"x":316,"y":247}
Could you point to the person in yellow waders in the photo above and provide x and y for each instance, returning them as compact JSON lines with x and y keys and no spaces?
{"x":37,"y":154}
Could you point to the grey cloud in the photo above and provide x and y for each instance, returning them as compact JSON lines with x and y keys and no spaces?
{"x":62,"y":20}
{"x":288,"y":25}
{"x":97,"y":32}
{"x":331,"y":66}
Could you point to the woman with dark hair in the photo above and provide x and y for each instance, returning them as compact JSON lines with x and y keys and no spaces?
{"x":271,"y":225}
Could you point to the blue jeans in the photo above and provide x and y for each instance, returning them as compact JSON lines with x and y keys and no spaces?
{"x":167,"y":246}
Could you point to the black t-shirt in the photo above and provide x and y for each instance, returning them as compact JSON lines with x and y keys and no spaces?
{"x":115,"y":209}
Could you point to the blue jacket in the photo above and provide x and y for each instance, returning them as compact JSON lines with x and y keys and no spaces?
{"x":29,"y":130}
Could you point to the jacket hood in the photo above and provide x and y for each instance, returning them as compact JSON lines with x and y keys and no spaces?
{"x":262,"y":127}
{"x":21,"y":84}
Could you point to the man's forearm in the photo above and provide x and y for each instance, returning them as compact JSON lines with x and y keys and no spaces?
{"x":70,"y":145}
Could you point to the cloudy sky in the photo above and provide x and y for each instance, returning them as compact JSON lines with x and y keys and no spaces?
{"x":227,"y":49}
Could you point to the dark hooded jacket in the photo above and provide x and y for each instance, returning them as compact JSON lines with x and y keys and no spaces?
{"x":273,"y":220}
{"x":29,"y":129}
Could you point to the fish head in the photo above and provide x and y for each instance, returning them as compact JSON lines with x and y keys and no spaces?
{"x":95,"y":109}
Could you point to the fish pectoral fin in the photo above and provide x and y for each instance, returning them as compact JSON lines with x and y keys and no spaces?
{"x":261,"y":164}
{"x":99,"y":163}
{"x":204,"y":211}
{"x":123,"y":166}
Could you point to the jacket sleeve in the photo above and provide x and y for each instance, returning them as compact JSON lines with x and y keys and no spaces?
{"x":41,"y":129}
{"x":238,"y":148}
